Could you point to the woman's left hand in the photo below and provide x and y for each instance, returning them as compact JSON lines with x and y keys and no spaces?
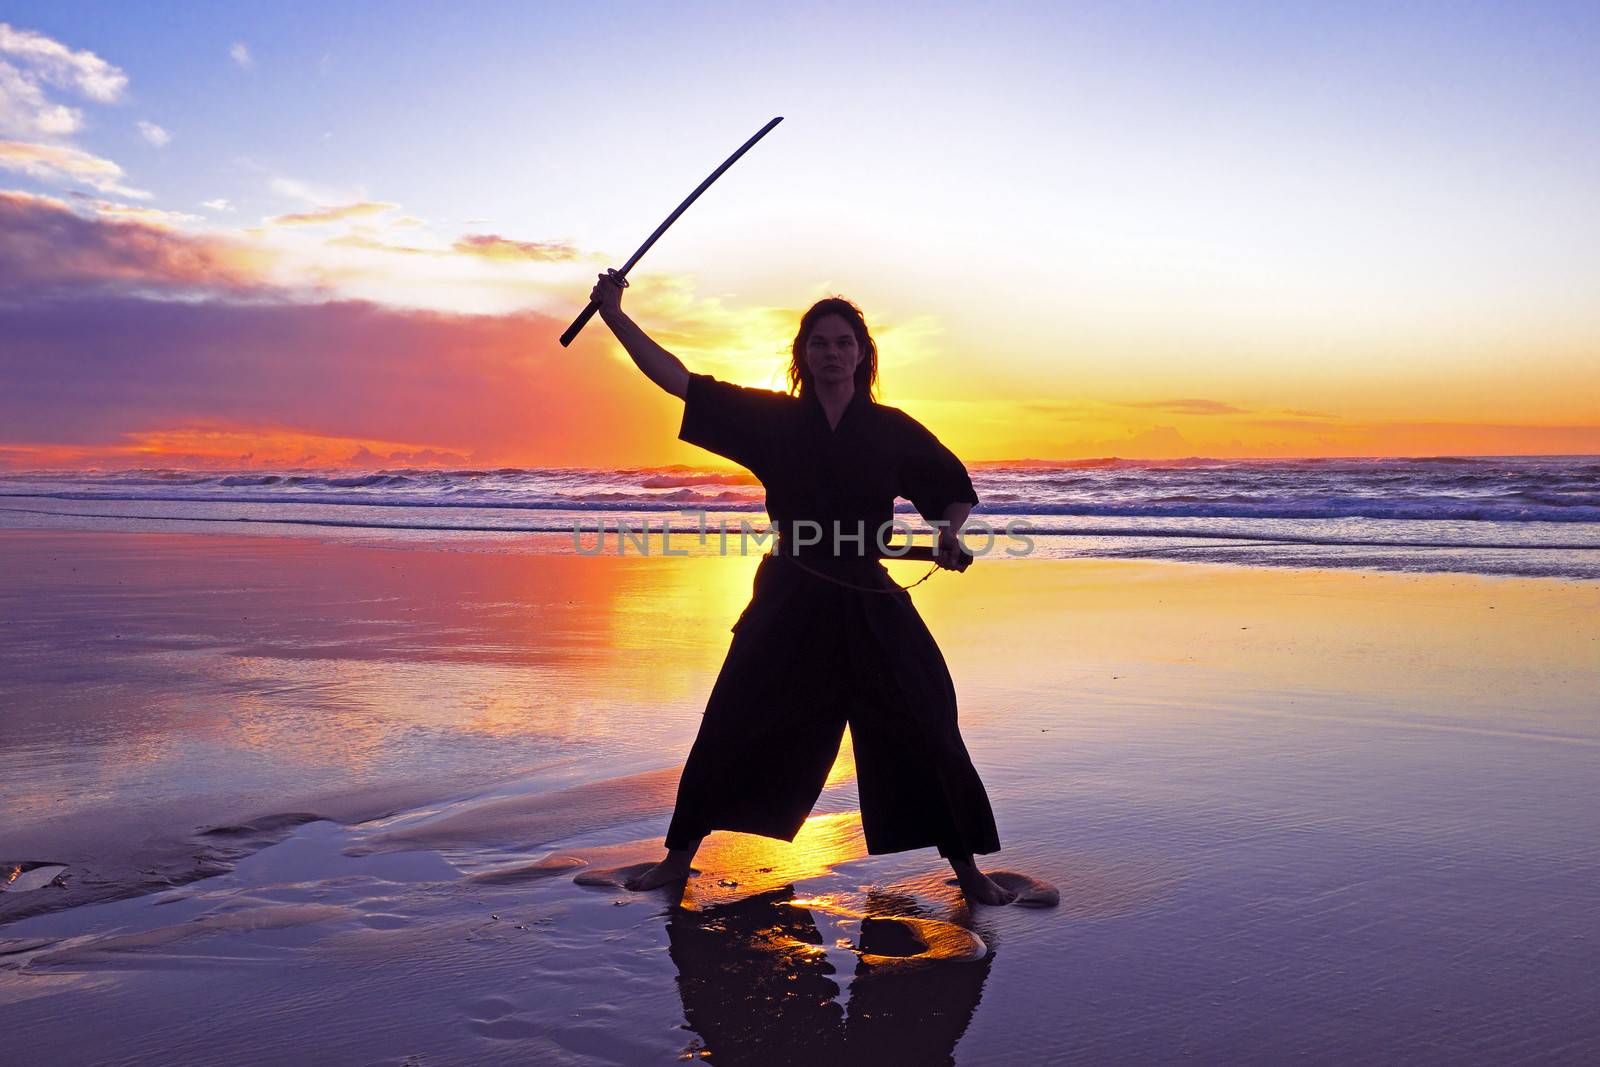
{"x":949,"y":554}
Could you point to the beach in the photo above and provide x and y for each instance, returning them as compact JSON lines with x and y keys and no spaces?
{"x":323,"y":797}
{"x":398,"y":408}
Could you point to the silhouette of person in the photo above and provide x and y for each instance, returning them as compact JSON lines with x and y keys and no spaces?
{"x":828,"y":639}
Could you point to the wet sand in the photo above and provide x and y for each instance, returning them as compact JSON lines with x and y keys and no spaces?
{"x":337,"y":794}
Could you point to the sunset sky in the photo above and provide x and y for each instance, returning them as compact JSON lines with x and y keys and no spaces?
{"x":350,"y":234}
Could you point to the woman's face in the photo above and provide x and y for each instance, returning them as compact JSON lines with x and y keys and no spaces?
{"x":831,"y":350}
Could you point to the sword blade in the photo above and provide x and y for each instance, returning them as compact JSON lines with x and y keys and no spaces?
{"x":592,"y":307}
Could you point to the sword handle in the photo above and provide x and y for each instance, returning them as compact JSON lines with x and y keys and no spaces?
{"x":922,"y":553}
{"x":618,"y":276}
{"x":578,"y":323}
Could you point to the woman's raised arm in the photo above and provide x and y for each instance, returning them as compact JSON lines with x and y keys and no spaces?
{"x":659,"y":365}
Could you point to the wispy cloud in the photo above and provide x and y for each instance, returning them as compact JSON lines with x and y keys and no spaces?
{"x":153,"y":133}
{"x":62,"y":163}
{"x":366,"y":241}
{"x":318,"y":196}
{"x":337,"y":213}
{"x":491,"y":246}
{"x":221,"y":203}
{"x":1187,"y":406}
{"x":479,"y":247}
{"x":111,"y":209}
{"x":1289,"y":424}
{"x":239,"y":52}
{"x":1062,"y":409}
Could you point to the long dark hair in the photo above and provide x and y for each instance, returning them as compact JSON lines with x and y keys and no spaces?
{"x":866,"y":370}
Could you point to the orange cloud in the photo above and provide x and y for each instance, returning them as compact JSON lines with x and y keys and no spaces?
{"x":221,"y":446}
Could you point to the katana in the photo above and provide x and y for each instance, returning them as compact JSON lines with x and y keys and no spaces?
{"x":622,"y":275}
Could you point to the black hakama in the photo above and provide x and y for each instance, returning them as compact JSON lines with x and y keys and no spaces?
{"x":810,"y":655}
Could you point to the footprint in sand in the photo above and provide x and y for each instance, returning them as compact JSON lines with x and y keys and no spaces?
{"x":1031,"y":892}
{"x":889,"y":940}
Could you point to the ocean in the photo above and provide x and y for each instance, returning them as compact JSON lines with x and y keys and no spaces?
{"x":1536,"y":516}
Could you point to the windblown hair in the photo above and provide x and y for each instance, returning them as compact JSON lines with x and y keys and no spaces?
{"x":866,"y":370}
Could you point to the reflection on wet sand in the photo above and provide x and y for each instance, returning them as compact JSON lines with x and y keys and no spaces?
{"x":759,"y":985}
{"x":760,"y":967}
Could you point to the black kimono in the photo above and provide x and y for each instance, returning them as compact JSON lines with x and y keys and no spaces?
{"x":810,"y":655}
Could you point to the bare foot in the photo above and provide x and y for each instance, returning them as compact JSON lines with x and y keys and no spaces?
{"x":979,"y":887}
{"x":666,"y":872}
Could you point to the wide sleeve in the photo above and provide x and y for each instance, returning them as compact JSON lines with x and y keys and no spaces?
{"x":733,"y":421}
{"x":931,"y":476}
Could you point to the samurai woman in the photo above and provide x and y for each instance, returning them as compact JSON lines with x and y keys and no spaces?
{"x":828,"y":639}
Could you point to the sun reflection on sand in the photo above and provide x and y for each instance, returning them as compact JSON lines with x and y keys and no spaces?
{"x":745,"y":865}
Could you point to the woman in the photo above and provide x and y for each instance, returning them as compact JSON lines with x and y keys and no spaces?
{"x":827,"y":638}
